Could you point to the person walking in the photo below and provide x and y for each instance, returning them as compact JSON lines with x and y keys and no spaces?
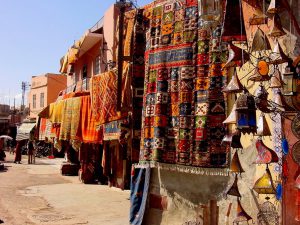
{"x":2,"y":153}
{"x":30,"y":147}
{"x":18,"y":151}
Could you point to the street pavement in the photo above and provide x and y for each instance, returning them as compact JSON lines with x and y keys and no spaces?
{"x":39,"y":194}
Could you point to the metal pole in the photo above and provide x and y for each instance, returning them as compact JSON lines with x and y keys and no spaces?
{"x":23,"y":95}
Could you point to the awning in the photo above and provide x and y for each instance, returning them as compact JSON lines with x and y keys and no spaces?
{"x":45,"y":113}
{"x":4,"y":119}
{"x":85,"y":43}
{"x":88,"y":41}
{"x":24,"y":131}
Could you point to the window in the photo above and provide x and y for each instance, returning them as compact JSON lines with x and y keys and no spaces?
{"x":42,"y":100}
{"x":84,"y":71}
{"x":33,"y":101}
{"x":97,"y":65}
{"x":76,"y":77}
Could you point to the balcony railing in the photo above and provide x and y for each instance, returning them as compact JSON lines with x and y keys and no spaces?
{"x":82,"y":85}
{"x":98,"y":25}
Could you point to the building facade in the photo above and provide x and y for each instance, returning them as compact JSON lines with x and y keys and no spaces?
{"x":44,"y":90}
{"x":4,"y":118}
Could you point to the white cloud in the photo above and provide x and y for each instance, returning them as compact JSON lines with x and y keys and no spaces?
{"x":18,"y":96}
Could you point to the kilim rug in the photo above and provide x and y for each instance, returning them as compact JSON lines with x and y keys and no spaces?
{"x":137,"y":76}
{"x":70,"y":119}
{"x":183,"y":104}
{"x":104,"y":90}
{"x":56,"y":109}
{"x":86,"y":131}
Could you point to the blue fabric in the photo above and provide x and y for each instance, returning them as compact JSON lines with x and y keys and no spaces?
{"x":139,"y":187}
{"x":285,"y":146}
{"x":279,"y":192}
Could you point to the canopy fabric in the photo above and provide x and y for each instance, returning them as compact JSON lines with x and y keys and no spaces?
{"x":87,"y":41}
{"x":45,"y":113}
{"x":24,"y":131}
{"x":64,"y":64}
{"x":72,"y":55}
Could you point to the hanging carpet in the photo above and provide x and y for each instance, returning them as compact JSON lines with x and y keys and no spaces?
{"x":70,"y":118}
{"x":104,"y":93}
{"x":183,"y":103}
{"x":86,"y":131}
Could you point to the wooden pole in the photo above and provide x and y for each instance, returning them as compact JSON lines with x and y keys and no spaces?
{"x":120,"y":52}
{"x":213,"y":212}
{"x":206,"y":215}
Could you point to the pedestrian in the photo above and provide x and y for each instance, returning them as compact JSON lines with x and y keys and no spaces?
{"x":18,"y":151}
{"x":2,"y":153}
{"x":30,"y":147}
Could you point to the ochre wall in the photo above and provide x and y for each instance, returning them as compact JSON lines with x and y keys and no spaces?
{"x":50,"y":85}
{"x":56,"y":83}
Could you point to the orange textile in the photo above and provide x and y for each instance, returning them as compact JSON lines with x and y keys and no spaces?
{"x":104,"y":93}
{"x":69,"y":95}
{"x":76,"y":94}
{"x":86,"y":131}
{"x":42,"y":129}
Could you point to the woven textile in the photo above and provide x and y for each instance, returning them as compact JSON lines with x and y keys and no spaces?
{"x":104,"y":96}
{"x":42,"y":129}
{"x":139,"y":188}
{"x":129,"y":23}
{"x":137,"y":76}
{"x":56,"y":109}
{"x":87,"y":132}
{"x":48,"y":130}
{"x":168,"y":97}
{"x":183,"y":103}
{"x":70,"y":119}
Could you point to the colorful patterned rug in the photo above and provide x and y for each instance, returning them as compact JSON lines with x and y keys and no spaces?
{"x":70,"y":118}
{"x":183,"y":103}
{"x":138,"y":73}
{"x":104,"y":97}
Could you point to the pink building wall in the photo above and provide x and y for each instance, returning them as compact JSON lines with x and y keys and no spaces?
{"x":89,"y":57}
{"x":109,"y":31}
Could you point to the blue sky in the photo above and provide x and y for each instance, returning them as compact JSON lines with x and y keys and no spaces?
{"x":35,"y":34}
